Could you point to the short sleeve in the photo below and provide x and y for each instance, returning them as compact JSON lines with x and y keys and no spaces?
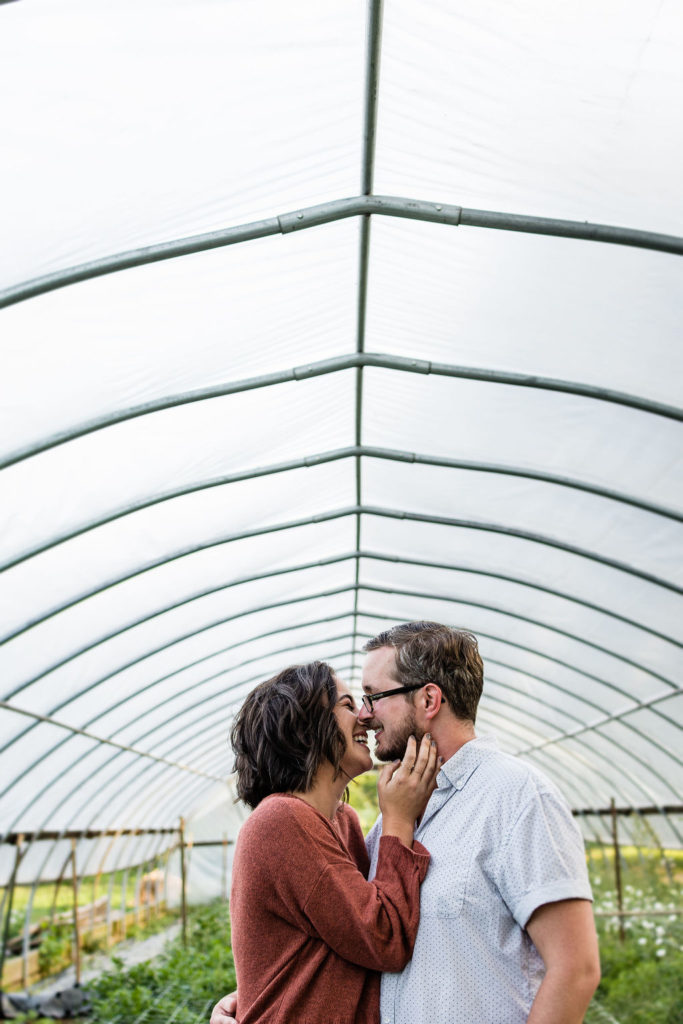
{"x":543,"y":859}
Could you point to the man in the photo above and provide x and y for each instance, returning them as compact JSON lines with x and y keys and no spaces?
{"x":506,"y":930}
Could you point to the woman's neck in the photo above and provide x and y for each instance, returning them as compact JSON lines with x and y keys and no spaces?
{"x":326,"y":791}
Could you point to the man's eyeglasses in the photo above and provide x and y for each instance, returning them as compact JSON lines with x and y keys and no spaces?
{"x":370,"y":698}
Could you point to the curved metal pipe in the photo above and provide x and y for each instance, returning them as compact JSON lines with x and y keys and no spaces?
{"x":354,"y":451}
{"x":313,"y":216}
{"x":336,"y":365}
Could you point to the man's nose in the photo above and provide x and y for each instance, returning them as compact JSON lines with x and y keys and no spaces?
{"x":364,"y":715}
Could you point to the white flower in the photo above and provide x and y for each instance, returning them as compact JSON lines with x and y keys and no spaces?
{"x":642,"y":940}
{"x":660,"y":930}
{"x":661,"y":952}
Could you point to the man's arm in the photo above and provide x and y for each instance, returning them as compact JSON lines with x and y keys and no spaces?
{"x":224,"y":1011}
{"x":564,"y":935}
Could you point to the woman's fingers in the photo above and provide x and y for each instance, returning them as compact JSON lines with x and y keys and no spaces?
{"x":387,"y":772}
{"x":423,"y":754}
{"x":410,"y":756}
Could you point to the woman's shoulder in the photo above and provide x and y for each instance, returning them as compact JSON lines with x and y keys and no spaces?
{"x":281,"y":811}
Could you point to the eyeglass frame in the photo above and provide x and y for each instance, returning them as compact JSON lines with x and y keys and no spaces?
{"x":368,"y":699}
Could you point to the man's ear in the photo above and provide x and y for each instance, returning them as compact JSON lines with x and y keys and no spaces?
{"x":433,"y":700}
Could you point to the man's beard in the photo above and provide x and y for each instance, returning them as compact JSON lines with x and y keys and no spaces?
{"x":393,"y":748}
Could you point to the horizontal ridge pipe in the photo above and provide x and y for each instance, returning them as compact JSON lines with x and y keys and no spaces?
{"x":625,"y":811}
{"x":338,"y":209}
{"x":337,"y":364}
{"x":12,"y":838}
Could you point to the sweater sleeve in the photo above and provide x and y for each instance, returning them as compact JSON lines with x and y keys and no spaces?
{"x":315,"y":885}
{"x":373,"y":924}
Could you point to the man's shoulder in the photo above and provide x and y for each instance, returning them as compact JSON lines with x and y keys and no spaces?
{"x":511,"y":776}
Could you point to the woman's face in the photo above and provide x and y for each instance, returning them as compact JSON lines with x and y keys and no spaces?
{"x":357,"y":757}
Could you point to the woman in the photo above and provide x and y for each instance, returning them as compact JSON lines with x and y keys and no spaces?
{"x":309,"y":932}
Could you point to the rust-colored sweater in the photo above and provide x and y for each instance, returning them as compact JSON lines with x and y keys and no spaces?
{"x":309,"y":931}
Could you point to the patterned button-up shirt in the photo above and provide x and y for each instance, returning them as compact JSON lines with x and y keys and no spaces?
{"x":503,"y":842}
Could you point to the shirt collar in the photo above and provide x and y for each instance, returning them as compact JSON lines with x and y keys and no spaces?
{"x":458,"y":769}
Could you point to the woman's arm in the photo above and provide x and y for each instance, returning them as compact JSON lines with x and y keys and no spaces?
{"x":374,"y":924}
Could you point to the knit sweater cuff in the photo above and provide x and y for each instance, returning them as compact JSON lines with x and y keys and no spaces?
{"x":397,"y":853}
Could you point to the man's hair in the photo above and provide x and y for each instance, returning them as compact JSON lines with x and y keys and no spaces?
{"x":427,"y":652}
{"x":285,"y":730}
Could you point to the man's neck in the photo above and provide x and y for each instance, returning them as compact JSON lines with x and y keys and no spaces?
{"x":452,"y":737}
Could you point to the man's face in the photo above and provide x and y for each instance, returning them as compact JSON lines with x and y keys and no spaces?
{"x":393,"y":718}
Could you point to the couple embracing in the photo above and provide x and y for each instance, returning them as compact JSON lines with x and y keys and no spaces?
{"x":468,"y":903}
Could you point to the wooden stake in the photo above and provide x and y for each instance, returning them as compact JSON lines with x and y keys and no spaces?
{"x":183,"y":880}
{"x":617,"y":870}
{"x":77,"y":937}
{"x":224,"y":889}
{"x":10,"y":899}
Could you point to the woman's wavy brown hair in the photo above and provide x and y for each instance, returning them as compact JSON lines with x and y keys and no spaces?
{"x":284,"y":731}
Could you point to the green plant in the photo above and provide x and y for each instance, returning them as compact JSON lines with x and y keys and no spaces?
{"x":55,"y":945}
{"x":641,"y":975}
{"x":363,"y":798}
{"x":182,"y":983}
{"x":91,"y":944}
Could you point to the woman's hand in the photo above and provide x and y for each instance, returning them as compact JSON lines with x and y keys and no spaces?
{"x":404,"y":788}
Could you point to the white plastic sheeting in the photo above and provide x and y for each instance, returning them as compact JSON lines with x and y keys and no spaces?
{"x":183,"y":514}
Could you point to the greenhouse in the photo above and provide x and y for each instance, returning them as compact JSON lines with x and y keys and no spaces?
{"x":315,"y":319}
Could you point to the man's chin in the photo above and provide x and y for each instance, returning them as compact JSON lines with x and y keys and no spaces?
{"x":387,"y":752}
{"x":394,"y":748}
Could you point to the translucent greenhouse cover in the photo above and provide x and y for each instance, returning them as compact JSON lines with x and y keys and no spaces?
{"x":318,"y":317}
